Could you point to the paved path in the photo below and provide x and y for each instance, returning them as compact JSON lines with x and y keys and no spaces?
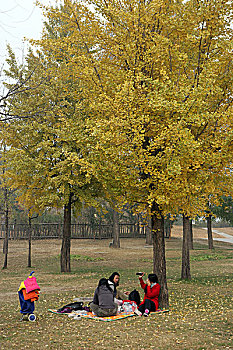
{"x":226,"y":238}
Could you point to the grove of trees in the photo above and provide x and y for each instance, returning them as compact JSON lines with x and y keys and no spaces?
{"x":126,"y":100}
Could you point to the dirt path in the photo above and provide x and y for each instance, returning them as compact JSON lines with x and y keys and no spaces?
{"x":224,"y":236}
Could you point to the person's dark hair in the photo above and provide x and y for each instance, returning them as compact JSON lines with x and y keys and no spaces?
{"x":104,"y":282}
{"x":153,"y":278}
{"x":111,"y":278}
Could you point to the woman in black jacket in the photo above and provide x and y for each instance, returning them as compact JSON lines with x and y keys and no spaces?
{"x":103,"y":302}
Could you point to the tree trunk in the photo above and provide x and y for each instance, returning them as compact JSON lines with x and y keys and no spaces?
{"x":210,"y":233}
{"x":6,"y":238}
{"x":66,"y":238}
{"x":159,"y":260}
{"x":148,"y":232}
{"x":167,"y":227}
{"x":92,"y":221}
{"x":116,"y":230}
{"x":185,"y":271}
{"x":29,"y":242}
{"x":100,"y":228}
{"x":138,"y":225}
{"x":191,"y":234}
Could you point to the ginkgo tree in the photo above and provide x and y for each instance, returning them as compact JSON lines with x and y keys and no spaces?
{"x":157,"y":78}
{"x":44,"y":135}
{"x":154,"y":78}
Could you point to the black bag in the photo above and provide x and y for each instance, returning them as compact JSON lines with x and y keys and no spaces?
{"x":135,"y":296}
{"x":71,"y":307}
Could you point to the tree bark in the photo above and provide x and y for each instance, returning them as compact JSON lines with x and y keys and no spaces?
{"x":29,"y":242}
{"x":167,"y":227}
{"x":148,"y":232}
{"x":210,"y":233}
{"x":191,"y":234}
{"x":100,"y":228}
{"x":159,"y":261}
{"x":6,"y":238}
{"x":66,"y":238}
{"x":138,"y":225}
{"x":185,"y":271}
{"x":116,"y":230}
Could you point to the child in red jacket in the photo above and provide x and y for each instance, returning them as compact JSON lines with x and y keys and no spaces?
{"x":151,"y":289}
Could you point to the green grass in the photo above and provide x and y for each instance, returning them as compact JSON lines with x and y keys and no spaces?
{"x":206,"y":257}
{"x":200,"y":257}
{"x":84,"y":258}
{"x":200,"y":314}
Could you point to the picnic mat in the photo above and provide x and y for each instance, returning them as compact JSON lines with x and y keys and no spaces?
{"x":109,"y":318}
{"x":120,"y":316}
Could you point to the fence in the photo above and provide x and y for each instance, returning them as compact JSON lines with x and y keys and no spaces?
{"x":87,"y":231}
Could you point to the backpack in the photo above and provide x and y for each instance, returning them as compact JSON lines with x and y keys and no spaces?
{"x":135,"y":296}
{"x":71,"y":307}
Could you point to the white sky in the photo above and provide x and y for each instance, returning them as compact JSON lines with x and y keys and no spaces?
{"x":19,"y":19}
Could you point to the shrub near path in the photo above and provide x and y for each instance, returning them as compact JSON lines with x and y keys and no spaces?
{"x":200,"y":314}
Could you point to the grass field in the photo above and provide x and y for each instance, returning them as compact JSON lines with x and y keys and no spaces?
{"x":200,"y":315}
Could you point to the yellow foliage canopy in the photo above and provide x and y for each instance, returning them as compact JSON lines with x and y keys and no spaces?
{"x":155,"y":79}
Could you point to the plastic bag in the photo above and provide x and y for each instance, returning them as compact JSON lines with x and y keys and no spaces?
{"x":129,"y":306}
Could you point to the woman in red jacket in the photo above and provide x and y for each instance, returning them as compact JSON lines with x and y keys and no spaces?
{"x":151,"y":289}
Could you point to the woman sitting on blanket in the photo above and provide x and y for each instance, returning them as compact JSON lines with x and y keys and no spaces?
{"x":103,"y":304}
{"x":151,"y":290}
{"x":113,"y":282}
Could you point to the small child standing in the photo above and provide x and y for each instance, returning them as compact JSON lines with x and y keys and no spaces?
{"x":151,"y":290}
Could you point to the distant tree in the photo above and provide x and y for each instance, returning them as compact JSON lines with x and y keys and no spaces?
{"x":6,"y":200}
{"x":44,"y":135}
{"x":6,"y":226}
{"x":116,"y":230}
{"x":224,"y":210}
{"x":148,"y":231}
